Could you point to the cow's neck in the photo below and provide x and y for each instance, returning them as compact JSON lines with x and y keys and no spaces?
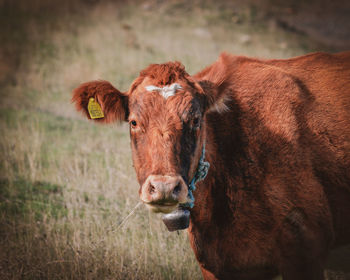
{"x":212,"y":217}
{"x":215,"y":194}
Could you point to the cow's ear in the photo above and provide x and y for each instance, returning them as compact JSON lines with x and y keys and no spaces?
{"x":215,"y":97}
{"x":100,"y":101}
{"x":216,"y":82}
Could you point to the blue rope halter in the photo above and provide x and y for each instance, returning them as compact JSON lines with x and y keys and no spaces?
{"x":201,"y":173}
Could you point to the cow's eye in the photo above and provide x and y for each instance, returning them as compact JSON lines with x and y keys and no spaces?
{"x":196,"y":122}
{"x":133,"y":123}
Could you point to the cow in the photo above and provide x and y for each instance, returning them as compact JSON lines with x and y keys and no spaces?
{"x":276,"y":133}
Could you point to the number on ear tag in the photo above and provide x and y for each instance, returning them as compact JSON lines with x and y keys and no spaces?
{"x":94,"y":109}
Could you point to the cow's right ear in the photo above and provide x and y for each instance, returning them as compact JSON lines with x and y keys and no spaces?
{"x":112,"y":102}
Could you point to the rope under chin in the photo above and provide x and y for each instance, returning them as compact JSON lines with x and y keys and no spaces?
{"x":201,"y":173}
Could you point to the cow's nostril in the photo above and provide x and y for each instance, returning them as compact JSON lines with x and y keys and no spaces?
{"x":152,"y":189}
{"x":177,"y":189}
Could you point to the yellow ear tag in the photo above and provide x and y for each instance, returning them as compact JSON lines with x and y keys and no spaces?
{"x":94,"y":109}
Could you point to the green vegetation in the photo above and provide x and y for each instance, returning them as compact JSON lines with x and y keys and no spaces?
{"x":65,"y":183}
{"x":31,"y":201}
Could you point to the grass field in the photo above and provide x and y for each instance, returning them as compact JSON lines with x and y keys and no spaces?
{"x":65,"y":183}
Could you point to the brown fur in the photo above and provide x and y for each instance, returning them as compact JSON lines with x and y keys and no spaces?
{"x":112,"y":101}
{"x":277,"y":132}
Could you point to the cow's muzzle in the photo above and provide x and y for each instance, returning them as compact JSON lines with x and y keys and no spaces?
{"x":163,"y":193}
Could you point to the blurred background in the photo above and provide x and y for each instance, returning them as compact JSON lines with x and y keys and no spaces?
{"x":66,"y":184}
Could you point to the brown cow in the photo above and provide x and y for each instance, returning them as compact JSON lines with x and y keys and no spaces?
{"x":277,"y":134}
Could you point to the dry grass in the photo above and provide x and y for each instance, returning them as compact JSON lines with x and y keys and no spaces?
{"x":65,"y":183}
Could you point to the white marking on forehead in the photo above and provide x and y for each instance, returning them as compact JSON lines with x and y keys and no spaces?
{"x":165,"y":91}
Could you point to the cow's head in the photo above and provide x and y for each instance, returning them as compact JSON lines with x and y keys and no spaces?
{"x":165,"y":108}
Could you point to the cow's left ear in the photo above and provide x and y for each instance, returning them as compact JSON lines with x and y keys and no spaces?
{"x":215,"y":97}
{"x":100,"y":101}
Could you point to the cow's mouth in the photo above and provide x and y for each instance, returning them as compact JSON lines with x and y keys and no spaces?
{"x":162,"y":206}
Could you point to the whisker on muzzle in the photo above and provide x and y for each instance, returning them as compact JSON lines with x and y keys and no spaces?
{"x":121,"y":224}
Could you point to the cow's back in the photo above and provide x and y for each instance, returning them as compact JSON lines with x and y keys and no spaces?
{"x":319,"y":84}
{"x":295,"y":115}
{"x":323,"y":117}
{"x":325,"y":81}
